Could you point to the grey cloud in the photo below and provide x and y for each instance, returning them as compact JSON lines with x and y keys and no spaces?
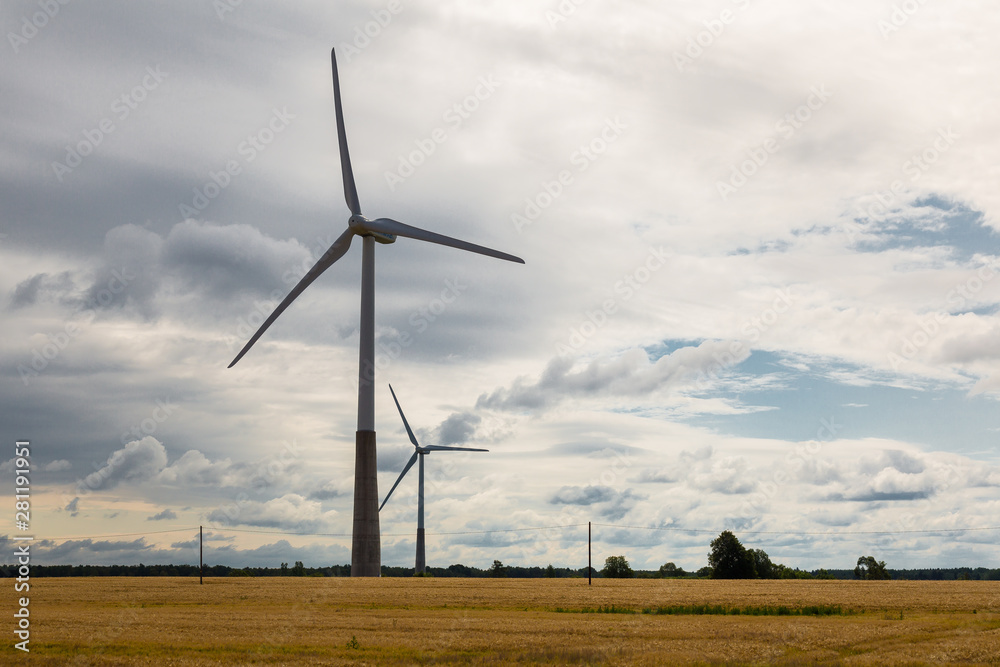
{"x":392,"y":458}
{"x":160,"y":516}
{"x":289,"y":512}
{"x":582,"y":495}
{"x":328,"y":491}
{"x":139,"y":460}
{"x":194,"y":468}
{"x":73,"y":506}
{"x":26,"y":292}
{"x":42,"y":287}
{"x":131,"y":274}
{"x":214,"y":261}
{"x":661,"y":476}
{"x":223,"y":260}
{"x":458,"y":428}
{"x":972,"y":347}
{"x":628,"y":374}
{"x":877,"y":496}
{"x":620,"y":505}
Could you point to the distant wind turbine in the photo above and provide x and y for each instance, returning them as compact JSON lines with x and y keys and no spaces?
{"x":366,"y":549}
{"x":421,"y":563}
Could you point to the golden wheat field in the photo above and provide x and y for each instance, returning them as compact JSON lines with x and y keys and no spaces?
{"x":317,"y":621}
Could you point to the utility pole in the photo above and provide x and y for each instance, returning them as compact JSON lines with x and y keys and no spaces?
{"x":590,"y":569}
{"x":201,"y":554}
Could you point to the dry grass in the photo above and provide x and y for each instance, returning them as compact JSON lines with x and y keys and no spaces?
{"x":278,"y":621}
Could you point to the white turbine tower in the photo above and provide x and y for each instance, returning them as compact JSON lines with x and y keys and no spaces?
{"x":366,"y":550}
{"x":418,"y":455}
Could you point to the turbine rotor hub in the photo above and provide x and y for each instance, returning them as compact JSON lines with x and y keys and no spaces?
{"x":361,"y":226}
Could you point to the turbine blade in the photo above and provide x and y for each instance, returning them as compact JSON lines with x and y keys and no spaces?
{"x":350,"y":190}
{"x":409,"y":464}
{"x":442,"y":448}
{"x":390,"y":226}
{"x":409,"y":432}
{"x":335,"y":252}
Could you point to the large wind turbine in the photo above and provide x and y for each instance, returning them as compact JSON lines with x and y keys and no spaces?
{"x":366,"y":550}
{"x":421,"y":564}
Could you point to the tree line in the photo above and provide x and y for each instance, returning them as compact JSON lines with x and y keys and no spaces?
{"x":728,"y":559}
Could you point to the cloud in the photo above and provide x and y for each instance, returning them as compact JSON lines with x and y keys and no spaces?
{"x":628,"y":374}
{"x":224,"y":260}
{"x":57,"y":466}
{"x":73,"y":506}
{"x":290,"y":512}
{"x":610,"y":503}
{"x":220,"y":262}
{"x":160,"y":516}
{"x":138,"y":461}
{"x":328,"y":491}
{"x":582,"y":495}
{"x":457,"y":428}
{"x":130,"y":275}
{"x":195,"y":469}
{"x":26,"y":292}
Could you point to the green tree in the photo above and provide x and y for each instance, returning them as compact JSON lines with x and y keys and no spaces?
{"x":869,"y":568}
{"x":550,"y":571}
{"x":616,"y":567}
{"x":762,"y":565}
{"x":498,"y":569}
{"x":729,"y":559}
{"x":671,"y":570}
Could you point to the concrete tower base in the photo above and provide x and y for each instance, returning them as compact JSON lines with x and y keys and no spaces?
{"x":366,"y":548}
{"x":421,"y":566}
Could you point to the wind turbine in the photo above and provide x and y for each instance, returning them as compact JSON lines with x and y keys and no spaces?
{"x":421,"y":564}
{"x":366,"y":549}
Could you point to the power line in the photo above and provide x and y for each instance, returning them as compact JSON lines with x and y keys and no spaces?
{"x":97,"y":537}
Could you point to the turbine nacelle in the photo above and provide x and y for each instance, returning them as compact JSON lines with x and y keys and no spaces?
{"x":361,"y":226}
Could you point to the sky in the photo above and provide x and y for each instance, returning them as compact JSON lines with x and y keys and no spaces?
{"x":760,"y":286}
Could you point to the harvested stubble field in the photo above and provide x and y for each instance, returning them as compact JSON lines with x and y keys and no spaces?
{"x":278,"y":621}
